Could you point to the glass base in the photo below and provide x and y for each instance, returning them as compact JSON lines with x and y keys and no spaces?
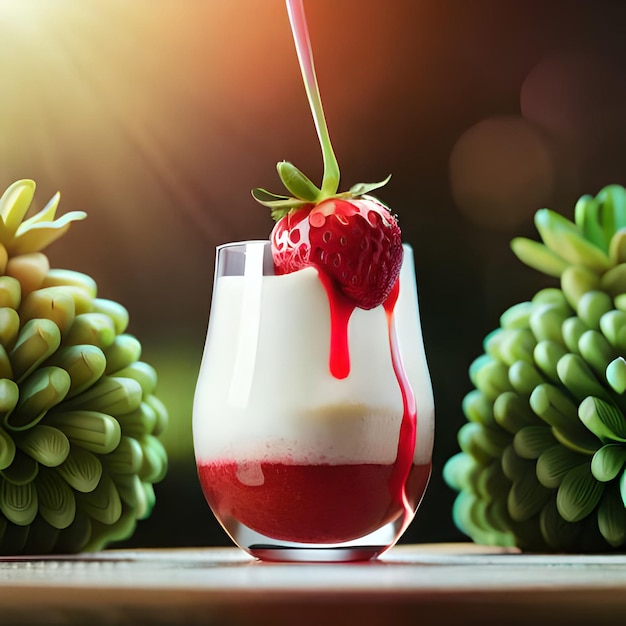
{"x":315,"y":554}
{"x":269,"y":549}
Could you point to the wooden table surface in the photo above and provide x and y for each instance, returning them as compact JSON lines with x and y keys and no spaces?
{"x":419,"y":584}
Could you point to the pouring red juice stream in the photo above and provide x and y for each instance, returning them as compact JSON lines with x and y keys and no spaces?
{"x":335,"y":503}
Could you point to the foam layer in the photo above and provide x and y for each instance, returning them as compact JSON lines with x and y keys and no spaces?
{"x":283,"y":402}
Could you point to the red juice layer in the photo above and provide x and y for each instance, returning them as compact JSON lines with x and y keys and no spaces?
{"x":310,"y":503}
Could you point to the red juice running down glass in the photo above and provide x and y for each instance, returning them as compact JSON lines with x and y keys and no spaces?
{"x":297,"y":460}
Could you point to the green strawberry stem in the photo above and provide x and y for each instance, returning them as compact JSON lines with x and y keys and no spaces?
{"x":302,"y":191}
{"x":297,"y":19}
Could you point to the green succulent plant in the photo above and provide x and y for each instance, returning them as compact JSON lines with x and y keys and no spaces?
{"x":79,"y":418}
{"x":543,"y":452}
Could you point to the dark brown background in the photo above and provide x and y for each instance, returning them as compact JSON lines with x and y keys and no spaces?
{"x":158,"y":116}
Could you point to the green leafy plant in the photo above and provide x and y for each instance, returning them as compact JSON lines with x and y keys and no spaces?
{"x":79,"y":418}
{"x":543,"y":452}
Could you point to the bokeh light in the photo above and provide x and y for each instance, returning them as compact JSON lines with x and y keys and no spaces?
{"x":500,"y":172}
{"x":572,"y":93}
{"x":578,"y":98}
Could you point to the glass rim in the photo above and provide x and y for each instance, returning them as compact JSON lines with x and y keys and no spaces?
{"x":245,"y":242}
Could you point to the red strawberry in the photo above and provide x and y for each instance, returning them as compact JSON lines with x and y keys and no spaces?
{"x":355,"y":241}
{"x":350,"y":237}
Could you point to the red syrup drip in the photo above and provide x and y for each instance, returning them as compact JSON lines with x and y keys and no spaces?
{"x":339,"y":364}
{"x":340,"y":311}
{"x":408,"y":426}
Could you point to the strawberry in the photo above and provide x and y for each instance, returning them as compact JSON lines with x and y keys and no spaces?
{"x":351,"y":237}
{"x":356,"y":242}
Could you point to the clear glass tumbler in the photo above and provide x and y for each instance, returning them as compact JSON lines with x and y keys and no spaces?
{"x":297,"y":463}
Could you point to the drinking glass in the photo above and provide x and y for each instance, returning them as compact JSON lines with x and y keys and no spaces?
{"x":298,"y":464}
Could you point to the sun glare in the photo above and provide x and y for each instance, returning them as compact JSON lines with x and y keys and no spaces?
{"x":94,"y":91}
{"x":23,"y":16}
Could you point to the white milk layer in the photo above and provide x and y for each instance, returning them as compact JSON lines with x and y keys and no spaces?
{"x":265,"y":391}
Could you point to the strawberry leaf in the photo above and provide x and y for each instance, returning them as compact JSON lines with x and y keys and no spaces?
{"x":296,"y":183}
{"x":266,"y":197}
{"x":362,"y":188}
{"x":274,"y":201}
{"x":280,"y":205}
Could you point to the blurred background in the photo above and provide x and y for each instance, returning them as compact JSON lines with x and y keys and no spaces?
{"x":158,"y":116}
